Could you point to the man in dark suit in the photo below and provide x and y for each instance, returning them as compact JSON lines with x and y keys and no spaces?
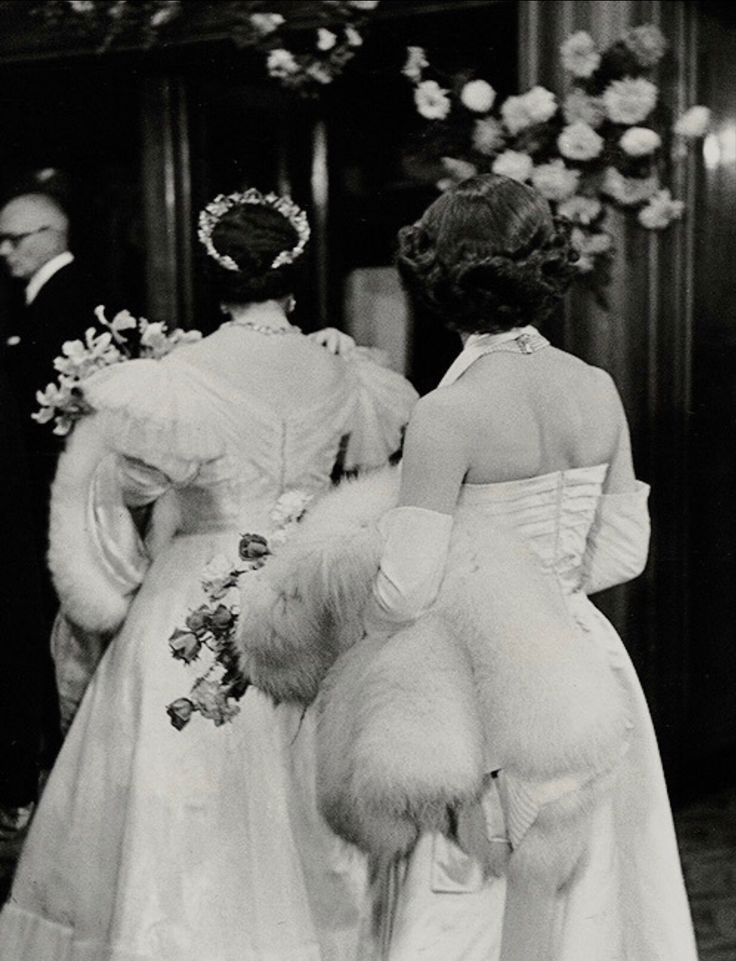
{"x":57,"y":305}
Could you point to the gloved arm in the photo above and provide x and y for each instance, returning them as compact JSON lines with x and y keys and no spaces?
{"x":416,"y":542}
{"x":417,"y":532}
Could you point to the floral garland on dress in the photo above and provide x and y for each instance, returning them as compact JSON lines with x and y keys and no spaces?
{"x":64,"y":402}
{"x":209,"y":630}
{"x":603,"y":144}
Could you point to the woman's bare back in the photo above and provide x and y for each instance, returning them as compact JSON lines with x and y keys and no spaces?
{"x":515,"y":415}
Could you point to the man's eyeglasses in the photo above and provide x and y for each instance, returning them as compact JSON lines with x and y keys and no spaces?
{"x":16,"y":239}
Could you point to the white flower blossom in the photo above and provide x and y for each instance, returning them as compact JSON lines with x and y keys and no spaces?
{"x":211,"y":701}
{"x":353,"y":37}
{"x":265,"y":23}
{"x":578,"y":107}
{"x":319,"y":72}
{"x":580,"y":55}
{"x":154,"y":339}
{"x":515,"y":115}
{"x":82,"y":6}
{"x":693,"y":123}
{"x":44,"y":415}
{"x":647,"y":43}
{"x":535,"y":106}
{"x":432,"y":100}
{"x":416,"y":61}
{"x":555,"y":181}
{"x":217,"y":577}
{"x":79,"y":359}
{"x":180,"y":337}
{"x":640,"y":141}
{"x":478,"y":96}
{"x":628,"y":191}
{"x":326,"y":39}
{"x":488,"y":136}
{"x":165,"y":14}
{"x":364,"y":4}
{"x":514,"y":164}
{"x":123,"y":320}
{"x":631,"y":100}
{"x":290,"y":507}
{"x":64,"y":424}
{"x":540,"y":104}
{"x":589,"y":246}
{"x":282,"y":63}
{"x":578,"y":141}
{"x":54,"y":395}
{"x":581,"y":210}
{"x":661,"y":211}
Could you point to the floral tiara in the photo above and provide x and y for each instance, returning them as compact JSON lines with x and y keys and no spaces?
{"x":210,"y":216}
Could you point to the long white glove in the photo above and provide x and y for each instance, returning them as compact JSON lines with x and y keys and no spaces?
{"x":416,"y":543}
{"x":618,"y":542}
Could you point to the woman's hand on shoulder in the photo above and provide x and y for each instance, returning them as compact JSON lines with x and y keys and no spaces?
{"x":334,"y":340}
{"x":436,"y":448}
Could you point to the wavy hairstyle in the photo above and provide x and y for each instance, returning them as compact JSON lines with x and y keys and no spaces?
{"x":487,"y":256}
{"x":253,"y":236}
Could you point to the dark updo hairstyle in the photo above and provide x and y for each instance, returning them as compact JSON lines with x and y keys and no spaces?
{"x":487,"y":256}
{"x":253,"y":235}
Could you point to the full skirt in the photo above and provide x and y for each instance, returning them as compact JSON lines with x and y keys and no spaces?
{"x":152,"y":844}
{"x":626,"y":901}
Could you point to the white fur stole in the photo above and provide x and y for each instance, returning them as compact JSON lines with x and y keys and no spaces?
{"x":498,"y":669}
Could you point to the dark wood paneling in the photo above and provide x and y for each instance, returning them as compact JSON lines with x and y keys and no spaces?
{"x":167,"y":192}
{"x":669,"y":340}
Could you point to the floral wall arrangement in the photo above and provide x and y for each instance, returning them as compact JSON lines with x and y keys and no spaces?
{"x":106,"y":21}
{"x":606,"y":142}
{"x":305,"y":47}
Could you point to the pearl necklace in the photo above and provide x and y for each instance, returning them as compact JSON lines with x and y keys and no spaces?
{"x":263,"y":328}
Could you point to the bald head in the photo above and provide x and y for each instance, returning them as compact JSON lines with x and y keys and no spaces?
{"x":33,"y":230}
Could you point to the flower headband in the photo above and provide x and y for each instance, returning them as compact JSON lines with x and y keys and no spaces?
{"x":210,"y":216}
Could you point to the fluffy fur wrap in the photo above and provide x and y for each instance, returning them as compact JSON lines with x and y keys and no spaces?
{"x":497,"y":674}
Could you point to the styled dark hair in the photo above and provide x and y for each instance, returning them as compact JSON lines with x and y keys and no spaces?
{"x":487,"y":256}
{"x":253,"y":235}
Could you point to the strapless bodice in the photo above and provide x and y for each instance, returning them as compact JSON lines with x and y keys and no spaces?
{"x":552,"y":512}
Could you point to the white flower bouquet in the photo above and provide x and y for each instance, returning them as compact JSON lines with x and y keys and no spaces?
{"x":604,"y":143}
{"x":64,"y":402}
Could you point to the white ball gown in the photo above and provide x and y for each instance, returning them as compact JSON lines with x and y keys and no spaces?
{"x":151,"y":844}
{"x":626,"y":900}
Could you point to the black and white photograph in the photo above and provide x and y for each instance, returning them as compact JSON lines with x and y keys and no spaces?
{"x":368,"y":418}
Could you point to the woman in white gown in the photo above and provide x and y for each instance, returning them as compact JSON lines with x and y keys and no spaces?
{"x":518,"y":496}
{"x":535,"y":441}
{"x":152,"y":844}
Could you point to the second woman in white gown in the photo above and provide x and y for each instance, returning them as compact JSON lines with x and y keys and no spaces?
{"x":483,"y":735}
{"x":152,"y":844}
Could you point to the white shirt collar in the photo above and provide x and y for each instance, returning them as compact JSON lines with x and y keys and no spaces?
{"x":45,"y":273}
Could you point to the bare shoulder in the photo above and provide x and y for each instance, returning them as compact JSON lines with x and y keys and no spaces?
{"x":439,"y":419}
{"x":444,"y":405}
{"x":587,"y":378}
